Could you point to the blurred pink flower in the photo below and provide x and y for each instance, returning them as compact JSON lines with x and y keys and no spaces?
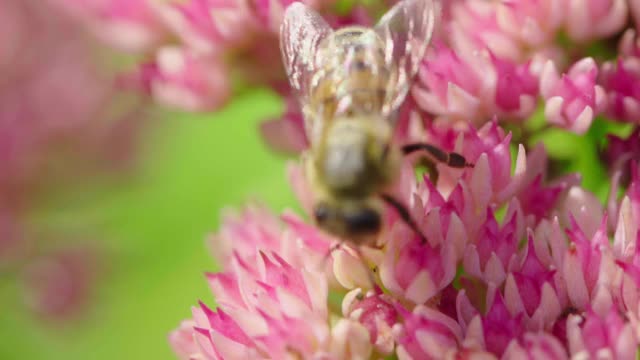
{"x":634,"y":9}
{"x":619,"y":80}
{"x":573,"y":99}
{"x":241,"y":234}
{"x":56,"y":286}
{"x":208,"y":25}
{"x":517,"y":31}
{"x":286,"y":134}
{"x":620,"y":155}
{"x":474,"y":88}
{"x":129,"y":25}
{"x":53,"y":90}
{"x":594,"y":19}
{"x":474,"y":25}
{"x":220,"y":43}
{"x":182,"y":341}
{"x":534,"y":23}
{"x":180,"y":78}
{"x":522,"y":30}
{"x":61,"y":122}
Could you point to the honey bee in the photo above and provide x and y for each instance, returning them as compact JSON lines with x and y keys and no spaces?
{"x":350,"y":83}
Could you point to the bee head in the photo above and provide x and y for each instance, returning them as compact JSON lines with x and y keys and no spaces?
{"x":357,"y":221}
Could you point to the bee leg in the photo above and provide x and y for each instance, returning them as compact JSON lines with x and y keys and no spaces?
{"x":404,"y":214}
{"x":450,"y":159}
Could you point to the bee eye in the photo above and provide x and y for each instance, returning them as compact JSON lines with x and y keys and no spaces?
{"x":321,"y":213}
{"x":364,"y":221}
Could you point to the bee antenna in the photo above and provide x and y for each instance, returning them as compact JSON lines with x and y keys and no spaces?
{"x":404,"y":214}
{"x":451,"y":159}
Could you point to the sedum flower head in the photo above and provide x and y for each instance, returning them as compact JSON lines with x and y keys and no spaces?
{"x":514,"y":265}
{"x":194,"y":52}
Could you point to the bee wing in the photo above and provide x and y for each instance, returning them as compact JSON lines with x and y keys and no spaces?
{"x":406,"y":31}
{"x":301,"y":32}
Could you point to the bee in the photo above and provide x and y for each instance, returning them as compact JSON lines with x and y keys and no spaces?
{"x":350,"y":83}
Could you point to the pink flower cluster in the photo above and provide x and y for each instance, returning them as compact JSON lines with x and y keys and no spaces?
{"x":500,"y":57}
{"x":194,"y":53}
{"x":489,"y":58}
{"x":515,"y":266}
{"x":61,"y":121}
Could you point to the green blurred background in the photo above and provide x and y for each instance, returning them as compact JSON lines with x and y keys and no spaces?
{"x":155,"y":223}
